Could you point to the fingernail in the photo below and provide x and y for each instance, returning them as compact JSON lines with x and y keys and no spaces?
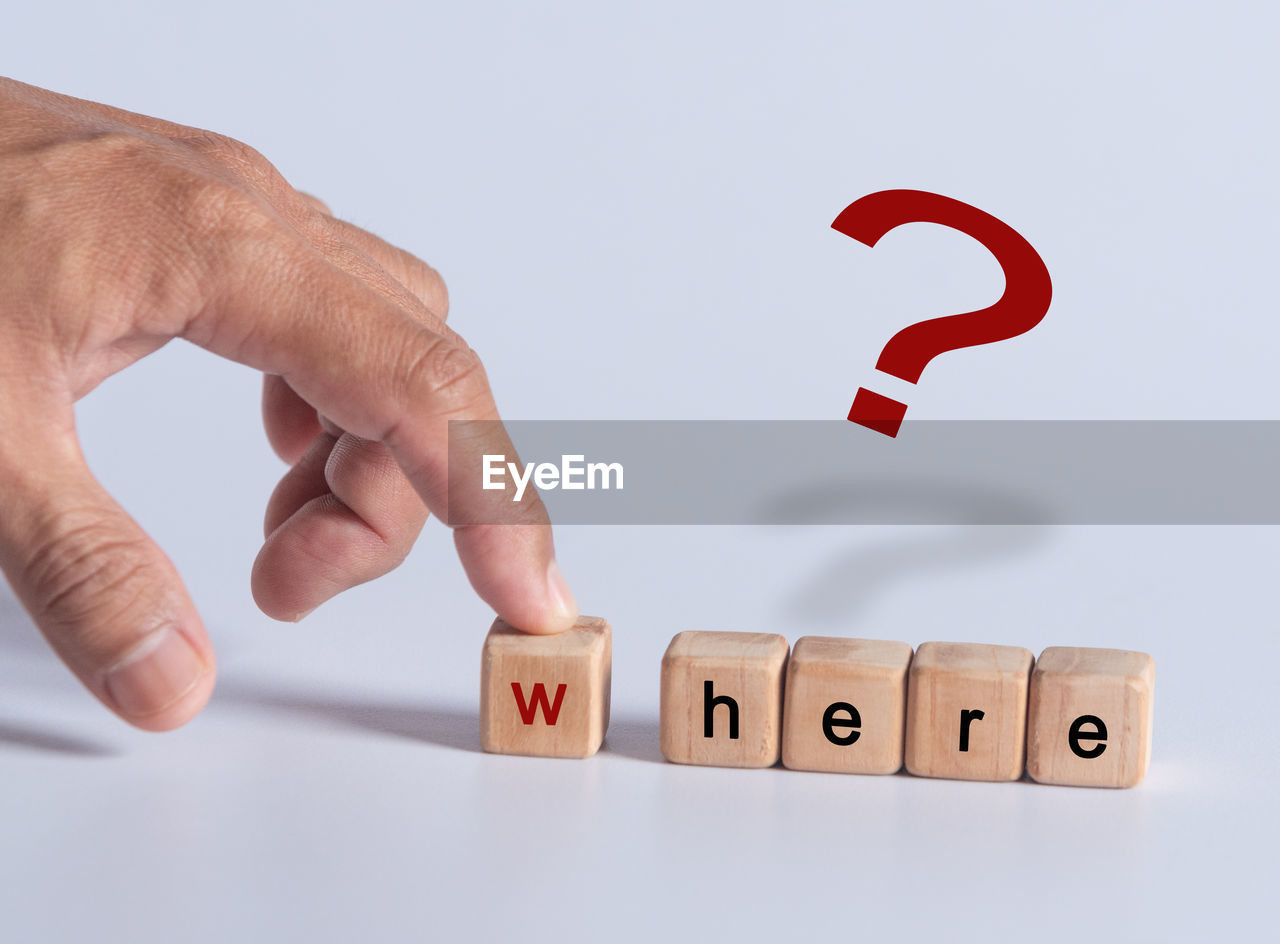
{"x":562,"y":601}
{"x":157,"y":674}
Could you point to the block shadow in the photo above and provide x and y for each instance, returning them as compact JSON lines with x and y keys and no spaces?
{"x":23,"y":653}
{"x":636,"y":738}
{"x":22,"y":648}
{"x":430,"y":724}
{"x":631,"y":737}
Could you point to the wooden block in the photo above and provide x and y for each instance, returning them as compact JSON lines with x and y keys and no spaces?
{"x":846,"y":705}
{"x":722,"y":699}
{"x":546,"y":696}
{"x":1089,"y":717}
{"x":967,"y":711}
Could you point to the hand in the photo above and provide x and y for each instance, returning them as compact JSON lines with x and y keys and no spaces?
{"x":119,"y":232}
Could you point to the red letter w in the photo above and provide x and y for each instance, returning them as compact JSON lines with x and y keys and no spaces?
{"x":529,"y":711}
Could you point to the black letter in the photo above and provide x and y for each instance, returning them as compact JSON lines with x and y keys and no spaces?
{"x":709,"y":712}
{"x":1075,"y":736}
{"x":967,"y":715}
{"x":830,"y":722}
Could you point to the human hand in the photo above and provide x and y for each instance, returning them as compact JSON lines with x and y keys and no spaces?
{"x":119,"y":232}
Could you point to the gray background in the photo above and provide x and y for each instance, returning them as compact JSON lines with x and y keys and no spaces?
{"x":631,"y":208}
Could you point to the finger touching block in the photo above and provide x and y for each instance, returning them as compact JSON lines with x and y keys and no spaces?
{"x":846,"y":705}
{"x":1089,"y":717}
{"x":722,"y":699}
{"x":967,"y":711}
{"x":546,"y":696}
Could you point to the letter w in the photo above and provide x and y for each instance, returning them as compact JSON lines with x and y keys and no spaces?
{"x":529,"y":710}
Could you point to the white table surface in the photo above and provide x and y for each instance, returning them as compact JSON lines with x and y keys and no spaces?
{"x":632,"y":213}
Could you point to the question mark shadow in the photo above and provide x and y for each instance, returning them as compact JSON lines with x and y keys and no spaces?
{"x":959,"y":535}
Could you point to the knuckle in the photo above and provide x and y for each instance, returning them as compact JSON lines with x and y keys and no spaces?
{"x":431,"y":288}
{"x":228,"y":232}
{"x":365,"y":477}
{"x":395,"y":541}
{"x":447,"y":374}
{"x":235,"y":155}
{"x":322,"y":232}
{"x":356,"y":556}
{"x":216,"y":208}
{"x":232,"y":192}
{"x":86,"y":573}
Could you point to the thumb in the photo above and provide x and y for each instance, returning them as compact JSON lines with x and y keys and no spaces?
{"x":105,"y":596}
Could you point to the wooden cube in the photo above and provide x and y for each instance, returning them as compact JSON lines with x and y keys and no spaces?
{"x":722,"y":699}
{"x":846,"y":705}
{"x":967,"y":711}
{"x":1089,"y":717}
{"x":546,"y":696}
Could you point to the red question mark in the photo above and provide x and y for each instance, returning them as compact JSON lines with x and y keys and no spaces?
{"x":1027,"y":291}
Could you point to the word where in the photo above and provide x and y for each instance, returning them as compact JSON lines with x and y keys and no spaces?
{"x":968,"y":711}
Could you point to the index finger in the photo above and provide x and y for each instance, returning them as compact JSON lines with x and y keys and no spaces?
{"x":395,"y":376}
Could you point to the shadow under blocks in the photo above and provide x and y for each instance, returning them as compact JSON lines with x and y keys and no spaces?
{"x":967,"y":711}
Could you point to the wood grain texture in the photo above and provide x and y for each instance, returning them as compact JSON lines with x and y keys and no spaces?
{"x":745,"y":672}
{"x":867,"y":675}
{"x":948,"y":685}
{"x":1092,"y":691}
{"x":516,"y":721}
